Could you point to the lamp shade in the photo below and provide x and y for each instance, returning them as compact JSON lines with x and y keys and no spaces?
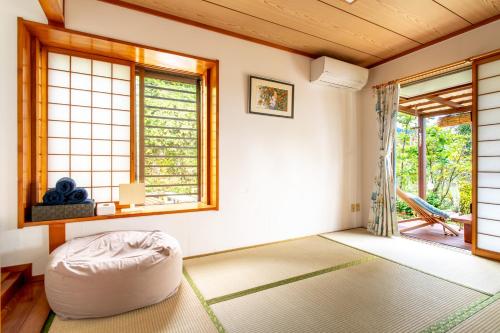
{"x":131,"y":194}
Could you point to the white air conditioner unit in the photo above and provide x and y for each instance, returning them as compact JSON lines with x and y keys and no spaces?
{"x":336,"y":73}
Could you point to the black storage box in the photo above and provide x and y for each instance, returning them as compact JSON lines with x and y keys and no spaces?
{"x":57,"y":212}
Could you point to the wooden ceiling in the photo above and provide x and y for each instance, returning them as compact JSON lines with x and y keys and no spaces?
{"x":365,"y":33}
{"x":438,"y":103}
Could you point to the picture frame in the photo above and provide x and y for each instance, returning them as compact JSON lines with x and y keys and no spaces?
{"x":270,"y":97}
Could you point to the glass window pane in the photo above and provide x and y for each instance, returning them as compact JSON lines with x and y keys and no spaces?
{"x":121,"y":163}
{"x":121,"y":132}
{"x":81,"y":65}
{"x":121,"y":72}
{"x":58,"y":61}
{"x":101,"y":68}
{"x":81,"y":113}
{"x":53,"y":177}
{"x":121,"y":102}
{"x":82,"y":179}
{"x":101,"y":100}
{"x":101,"y":116}
{"x":101,"y":194}
{"x":58,"y":129}
{"x":101,"y":131}
{"x":81,"y":163}
{"x":80,"y":81}
{"x":121,"y":178}
{"x":101,"y":163}
{"x":58,"y":162}
{"x":81,"y":146}
{"x":58,"y":112}
{"x":101,"y":179}
{"x":80,"y":97}
{"x":121,"y":87}
{"x":58,"y":95}
{"x":121,"y":117}
{"x":81,"y":131}
{"x":58,"y":78}
{"x":121,"y":148}
{"x":58,"y":146}
{"x":102,"y":84}
{"x":101,"y":147}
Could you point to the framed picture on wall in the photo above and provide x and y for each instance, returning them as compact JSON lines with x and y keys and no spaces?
{"x":270,"y":97}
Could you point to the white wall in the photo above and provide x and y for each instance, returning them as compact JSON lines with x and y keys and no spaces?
{"x":475,"y":42}
{"x":279,"y":178}
{"x":29,"y":245}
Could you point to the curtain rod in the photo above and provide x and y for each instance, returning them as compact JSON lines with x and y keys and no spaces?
{"x":435,"y":71}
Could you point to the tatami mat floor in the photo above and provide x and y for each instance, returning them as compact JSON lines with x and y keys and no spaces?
{"x":313,"y":284}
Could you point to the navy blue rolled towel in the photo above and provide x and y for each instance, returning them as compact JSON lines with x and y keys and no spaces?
{"x":78,"y":195}
{"x":65,"y":185}
{"x":53,"y":197}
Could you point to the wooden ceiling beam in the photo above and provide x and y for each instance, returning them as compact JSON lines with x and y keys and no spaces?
{"x":446,"y":102}
{"x":463,"y":109}
{"x":54,"y":10}
{"x":408,"y":110}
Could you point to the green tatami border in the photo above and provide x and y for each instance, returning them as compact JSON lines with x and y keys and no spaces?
{"x":461,"y":315}
{"x":204,"y":303}
{"x":288,"y":280}
{"x":407,"y":266}
{"x":48,"y":322}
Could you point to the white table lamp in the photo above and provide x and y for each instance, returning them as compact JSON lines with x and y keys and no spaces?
{"x":132,"y":194}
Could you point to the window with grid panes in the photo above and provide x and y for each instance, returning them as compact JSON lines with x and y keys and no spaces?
{"x":168,"y":125}
{"x":88,"y":128}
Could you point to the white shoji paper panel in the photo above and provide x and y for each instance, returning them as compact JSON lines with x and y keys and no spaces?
{"x":488,"y":101}
{"x":488,"y":211}
{"x":489,"y":195}
{"x":488,"y":148}
{"x":488,"y":85}
{"x":489,"y":117}
{"x":489,"y":69}
{"x":487,"y":242}
{"x":490,"y":227}
{"x":488,"y":179}
{"x":489,"y":132}
{"x":89,"y":103}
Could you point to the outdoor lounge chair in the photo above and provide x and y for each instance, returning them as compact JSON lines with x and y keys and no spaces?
{"x":428,"y":213}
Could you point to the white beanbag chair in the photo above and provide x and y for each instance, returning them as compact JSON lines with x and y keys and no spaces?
{"x":111,"y":273}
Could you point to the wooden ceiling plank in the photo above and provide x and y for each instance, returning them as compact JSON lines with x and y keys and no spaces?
{"x":473,"y":11}
{"x":323,"y":21}
{"x":422,"y":20}
{"x":54,"y":11}
{"x":229,"y":22}
{"x":437,"y":40}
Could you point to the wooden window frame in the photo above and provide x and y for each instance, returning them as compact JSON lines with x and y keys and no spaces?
{"x":34,"y":39}
{"x":143,"y":73}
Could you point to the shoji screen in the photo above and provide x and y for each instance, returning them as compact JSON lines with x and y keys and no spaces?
{"x":88,"y":130}
{"x":487,"y":89}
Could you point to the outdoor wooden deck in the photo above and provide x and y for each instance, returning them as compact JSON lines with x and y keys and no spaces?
{"x":435,"y":233}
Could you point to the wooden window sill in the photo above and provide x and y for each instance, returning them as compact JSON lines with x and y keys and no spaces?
{"x":144,"y":211}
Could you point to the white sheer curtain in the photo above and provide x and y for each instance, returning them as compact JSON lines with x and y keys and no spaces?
{"x":383,"y":219}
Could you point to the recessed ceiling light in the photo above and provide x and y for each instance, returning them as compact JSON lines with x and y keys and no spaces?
{"x":350,"y":1}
